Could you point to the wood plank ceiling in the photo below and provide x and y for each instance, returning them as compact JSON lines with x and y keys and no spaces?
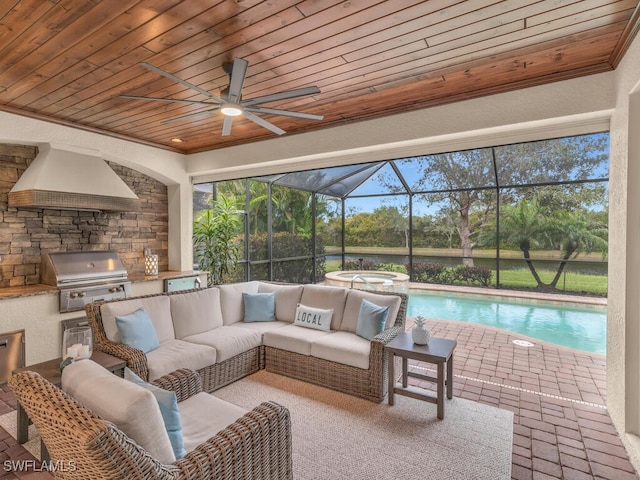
{"x":68,"y":61}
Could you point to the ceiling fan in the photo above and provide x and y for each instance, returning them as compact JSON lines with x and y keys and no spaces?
{"x":230,"y":102}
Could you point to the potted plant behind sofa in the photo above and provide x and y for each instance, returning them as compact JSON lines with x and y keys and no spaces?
{"x":215,"y":233}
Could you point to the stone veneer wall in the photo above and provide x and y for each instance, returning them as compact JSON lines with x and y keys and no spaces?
{"x":27,"y":233}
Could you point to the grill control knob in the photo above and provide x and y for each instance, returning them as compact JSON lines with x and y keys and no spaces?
{"x":81,"y":294}
{"x":73,"y":295}
{"x":113,"y":290}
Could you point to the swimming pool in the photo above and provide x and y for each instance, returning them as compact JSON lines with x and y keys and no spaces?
{"x":582,"y":328}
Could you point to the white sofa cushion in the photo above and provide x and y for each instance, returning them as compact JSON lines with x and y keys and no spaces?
{"x":133,"y":409}
{"x":158,"y":308}
{"x":293,"y":338}
{"x":352,"y":308}
{"x":231,"y":300}
{"x":321,"y":296}
{"x":204,"y":415}
{"x":228,"y":341}
{"x":174,"y":354}
{"x":262,"y":327}
{"x":196,"y":312}
{"x":287,"y":299}
{"x":343,"y":347}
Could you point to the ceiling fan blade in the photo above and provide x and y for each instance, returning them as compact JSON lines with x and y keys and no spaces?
{"x":285,"y":113}
{"x":182,"y":82}
{"x":237,"y":79}
{"x":158,"y":99}
{"x":190,"y":115}
{"x":298,"y":92}
{"x":263,"y":123}
{"x":226,"y":126}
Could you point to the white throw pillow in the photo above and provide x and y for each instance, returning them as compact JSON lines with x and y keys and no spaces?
{"x":310,"y":317}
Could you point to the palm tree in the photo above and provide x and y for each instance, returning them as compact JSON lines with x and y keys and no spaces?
{"x":524,"y":225}
{"x":575,"y":233}
{"x":528,"y":225}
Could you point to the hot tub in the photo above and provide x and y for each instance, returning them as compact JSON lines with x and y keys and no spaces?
{"x":369,"y":280}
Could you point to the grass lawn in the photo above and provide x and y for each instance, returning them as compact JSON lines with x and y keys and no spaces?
{"x":522,"y":278}
{"x":454,"y":252}
{"x":571,"y":283}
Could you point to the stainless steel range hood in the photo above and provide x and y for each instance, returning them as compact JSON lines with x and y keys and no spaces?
{"x":67,"y":180}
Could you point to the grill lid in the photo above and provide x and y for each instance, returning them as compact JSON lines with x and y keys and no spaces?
{"x":79,"y":268}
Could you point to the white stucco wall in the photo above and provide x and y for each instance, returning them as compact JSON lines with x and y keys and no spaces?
{"x":623,"y":352}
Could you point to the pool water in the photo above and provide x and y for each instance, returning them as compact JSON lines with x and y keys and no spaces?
{"x":582,"y":328}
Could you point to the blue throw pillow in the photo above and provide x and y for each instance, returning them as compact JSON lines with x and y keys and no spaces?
{"x":259,"y":307}
{"x":371,"y":319}
{"x":168,"y":403}
{"x":137,"y":330}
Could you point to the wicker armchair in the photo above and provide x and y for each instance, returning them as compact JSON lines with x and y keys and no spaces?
{"x":82,"y":445}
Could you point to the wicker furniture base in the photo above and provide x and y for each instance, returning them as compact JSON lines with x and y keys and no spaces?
{"x":370,"y":384}
{"x":228,"y":371}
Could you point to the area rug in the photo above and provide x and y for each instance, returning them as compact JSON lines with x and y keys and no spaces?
{"x":340,"y":437}
{"x":8,"y":421}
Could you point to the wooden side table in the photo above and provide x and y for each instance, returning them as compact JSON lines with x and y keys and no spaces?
{"x":50,"y":370}
{"x":439,"y":351}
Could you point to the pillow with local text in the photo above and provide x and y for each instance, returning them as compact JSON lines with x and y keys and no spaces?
{"x":310,"y":317}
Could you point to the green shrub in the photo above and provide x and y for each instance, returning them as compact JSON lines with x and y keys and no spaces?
{"x":470,"y":275}
{"x":391,"y":267}
{"x":427,"y":272}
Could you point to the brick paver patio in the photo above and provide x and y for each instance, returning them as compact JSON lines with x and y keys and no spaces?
{"x":561,"y":426}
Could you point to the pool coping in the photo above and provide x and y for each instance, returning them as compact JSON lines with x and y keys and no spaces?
{"x":553,"y":297}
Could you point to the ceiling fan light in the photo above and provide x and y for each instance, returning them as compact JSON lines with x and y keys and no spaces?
{"x":231,"y":110}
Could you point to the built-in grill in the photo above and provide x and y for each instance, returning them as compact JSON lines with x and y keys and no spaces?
{"x":85,"y":277}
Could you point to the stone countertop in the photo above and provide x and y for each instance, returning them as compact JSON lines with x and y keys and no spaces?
{"x":164,"y":275}
{"x":31,"y":290}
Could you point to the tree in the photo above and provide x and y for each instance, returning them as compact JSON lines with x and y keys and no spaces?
{"x":291,"y":210}
{"x":529,"y":225}
{"x":215,"y":233}
{"x":466,"y":179}
{"x":452,"y":175}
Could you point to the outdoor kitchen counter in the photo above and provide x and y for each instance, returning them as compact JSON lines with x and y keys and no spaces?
{"x":36,"y":310}
{"x":26,"y":291}
{"x":31,"y":290}
{"x":168,"y":275}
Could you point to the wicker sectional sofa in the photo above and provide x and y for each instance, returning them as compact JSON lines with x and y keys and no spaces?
{"x":205,"y":330}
